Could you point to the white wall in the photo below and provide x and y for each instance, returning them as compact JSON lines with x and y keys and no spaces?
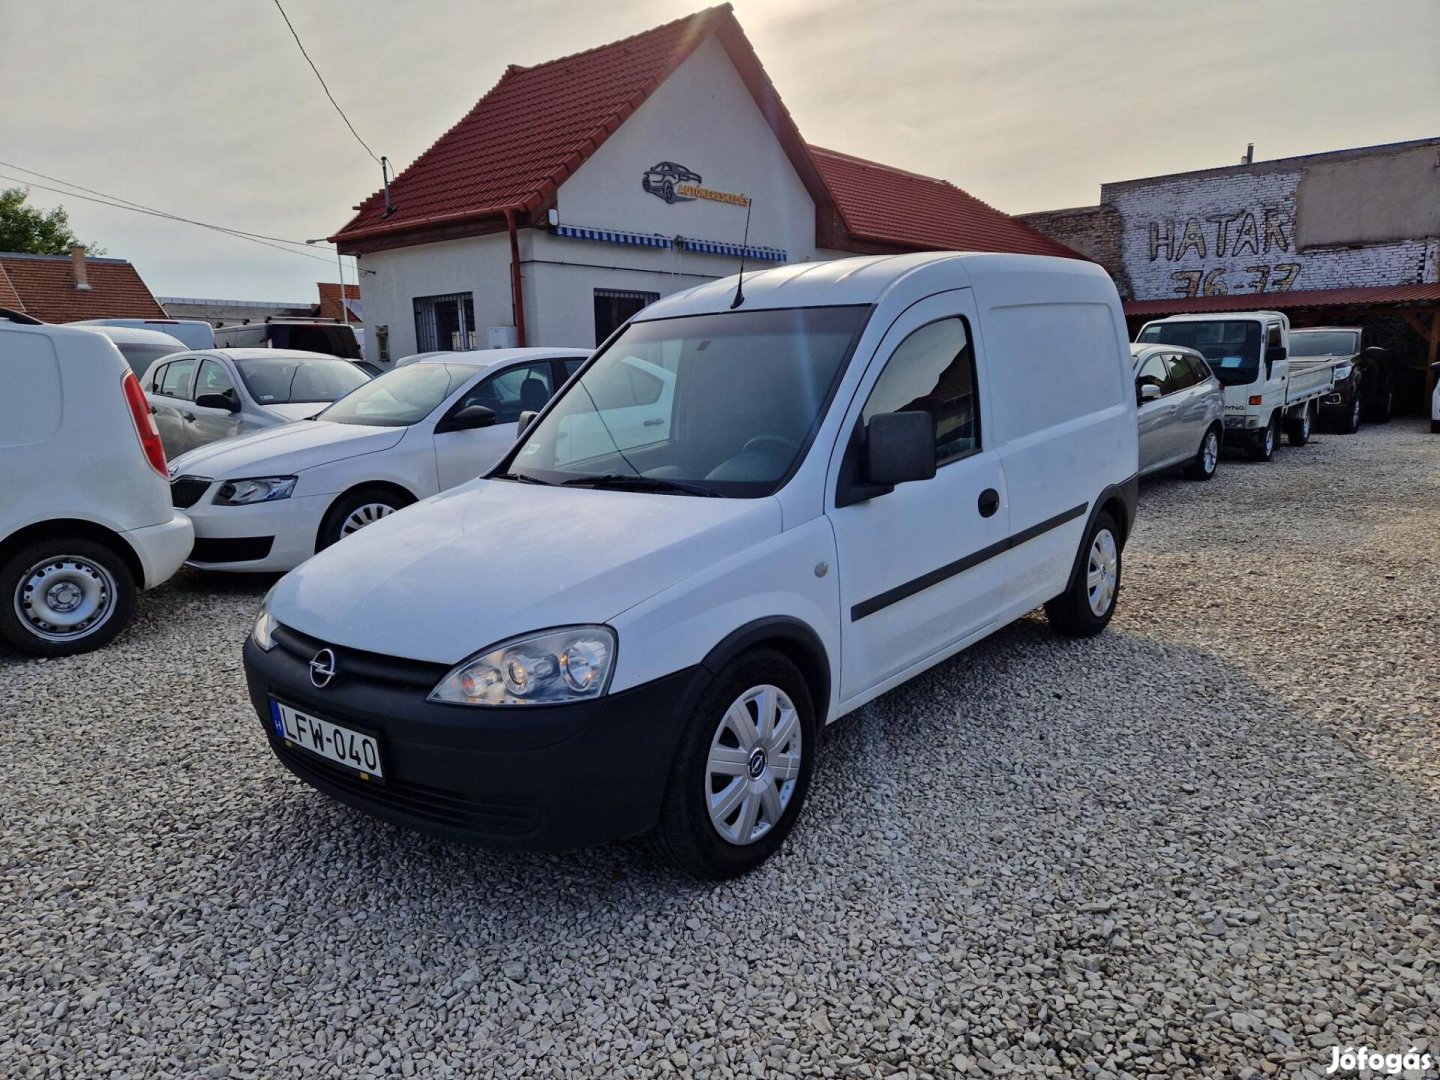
{"x":1234,"y":232}
{"x":478,"y":265}
{"x":703,"y":118}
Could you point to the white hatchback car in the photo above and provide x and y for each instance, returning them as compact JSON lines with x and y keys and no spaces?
{"x":200,"y":397}
{"x":857,"y":469}
{"x":85,"y":523}
{"x":269,"y":500}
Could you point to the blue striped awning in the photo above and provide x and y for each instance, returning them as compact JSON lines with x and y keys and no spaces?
{"x":738,"y":251}
{"x":612,"y":236}
{"x":655,"y":240}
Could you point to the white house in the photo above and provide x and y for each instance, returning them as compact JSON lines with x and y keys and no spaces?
{"x":578,"y":191}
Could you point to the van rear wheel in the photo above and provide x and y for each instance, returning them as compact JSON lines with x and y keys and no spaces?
{"x":741,"y":770}
{"x":64,"y":596}
{"x":1298,"y":429}
{"x":1085,"y":607}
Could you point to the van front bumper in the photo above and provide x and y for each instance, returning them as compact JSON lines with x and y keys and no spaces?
{"x":535,"y":777}
{"x":162,"y":548}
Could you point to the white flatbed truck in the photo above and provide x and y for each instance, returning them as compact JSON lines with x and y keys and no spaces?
{"x":1249,"y":353}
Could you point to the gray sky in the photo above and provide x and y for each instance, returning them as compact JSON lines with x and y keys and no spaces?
{"x":207,"y":110}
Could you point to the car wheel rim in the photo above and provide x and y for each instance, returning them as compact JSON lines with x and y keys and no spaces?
{"x":1269,"y":439}
{"x":1103,"y":572}
{"x":364,"y":515}
{"x":1305,"y":424}
{"x":754,"y":764}
{"x":65,"y":598}
{"x":1211,"y":454}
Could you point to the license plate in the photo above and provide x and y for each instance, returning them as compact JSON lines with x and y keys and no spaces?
{"x":353,"y":749}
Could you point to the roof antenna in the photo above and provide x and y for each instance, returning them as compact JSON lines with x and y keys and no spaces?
{"x":744,"y":244}
{"x":385,"y":180}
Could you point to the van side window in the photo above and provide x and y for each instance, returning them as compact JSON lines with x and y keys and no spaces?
{"x":1272,"y":337}
{"x":176,"y":380}
{"x":933,"y":370}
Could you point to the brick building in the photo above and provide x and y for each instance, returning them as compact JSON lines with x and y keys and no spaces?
{"x":1348,"y":236}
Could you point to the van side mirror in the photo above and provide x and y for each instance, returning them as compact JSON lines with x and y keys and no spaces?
{"x":467,"y":419}
{"x":899,"y":448}
{"x":526,"y":419}
{"x":1276,"y":352}
{"x":218,"y":401}
{"x":1147,"y":392}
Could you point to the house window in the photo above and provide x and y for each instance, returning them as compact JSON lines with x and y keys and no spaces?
{"x":445,"y":323}
{"x":614,"y":306}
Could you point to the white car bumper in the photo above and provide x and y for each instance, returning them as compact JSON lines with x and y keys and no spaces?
{"x":263,"y":538}
{"x":162,"y":548}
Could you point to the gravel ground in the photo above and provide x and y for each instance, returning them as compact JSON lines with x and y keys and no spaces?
{"x":1203,"y":844}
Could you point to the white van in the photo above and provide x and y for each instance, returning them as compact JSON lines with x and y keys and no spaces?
{"x":867,"y":465}
{"x":85,"y":514}
{"x":138,"y":346}
{"x":195,"y":333}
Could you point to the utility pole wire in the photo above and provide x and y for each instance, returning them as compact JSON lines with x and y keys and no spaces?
{"x":322,"y":83}
{"x":130,"y":204}
{"x":169,"y":217}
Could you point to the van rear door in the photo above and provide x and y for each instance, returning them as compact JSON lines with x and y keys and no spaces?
{"x":918,"y":565}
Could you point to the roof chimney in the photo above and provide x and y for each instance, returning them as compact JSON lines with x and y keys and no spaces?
{"x":1249,"y":158}
{"x":77,"y":260}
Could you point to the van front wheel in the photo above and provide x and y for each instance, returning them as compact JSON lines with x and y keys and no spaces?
{"x":1084,"y":609}
{"x":1264,"y":450}
{"x":742,"y":769}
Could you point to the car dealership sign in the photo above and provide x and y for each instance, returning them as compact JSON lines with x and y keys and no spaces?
{"x":674,"y":183}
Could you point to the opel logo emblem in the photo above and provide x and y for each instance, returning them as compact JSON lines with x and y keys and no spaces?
{"x":322,"y":668}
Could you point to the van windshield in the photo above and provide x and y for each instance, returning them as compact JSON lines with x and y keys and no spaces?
{"x":281,"y":380}
{"x":1232,"y":347}
{"x":719,"y":404}
{"x":400,"y":397}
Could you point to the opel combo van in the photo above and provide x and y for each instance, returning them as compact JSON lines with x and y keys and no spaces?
{"x":758,"y":506}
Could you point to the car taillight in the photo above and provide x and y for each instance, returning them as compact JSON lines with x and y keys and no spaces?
{"x":144,"y":423}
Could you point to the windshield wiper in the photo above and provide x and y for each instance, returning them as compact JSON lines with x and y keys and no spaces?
{"x":643,"y":483}
{"x":521,"y":478}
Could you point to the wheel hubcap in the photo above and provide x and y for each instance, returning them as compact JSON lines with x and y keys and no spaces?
{"x":365,"y":515}
{"x":1305,"y":424}
{"x":753,"y":765}
{"x":1269,"y":438}
{"x":64,"y":598}
{"x":1103,"y":572}
{"x":1212,"y":452}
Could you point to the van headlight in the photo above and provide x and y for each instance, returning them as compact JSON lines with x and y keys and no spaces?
{"x":254,"y":490}
{"x":572,"y":664}
{"x":264,"y":630}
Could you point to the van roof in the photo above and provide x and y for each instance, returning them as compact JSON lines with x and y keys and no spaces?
{"x":135,"y":335}
{"x":861,"y":280}
{"x":1225,"y":316}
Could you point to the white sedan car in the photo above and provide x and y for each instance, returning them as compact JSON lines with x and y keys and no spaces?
{"x":269,"y":500}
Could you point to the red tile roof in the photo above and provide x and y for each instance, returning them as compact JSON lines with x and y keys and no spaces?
{"x":888,"y":206}
{"x":45,"y":285}
{"x":330,"y":299}
{"x":539,"y":124}
{"x":1366,"y":296}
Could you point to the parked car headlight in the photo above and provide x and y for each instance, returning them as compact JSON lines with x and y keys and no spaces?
{"x":254,"y":490}
{"x":1342,"y":371}
{"x":264,"y":631}
{"x":573,"y":664}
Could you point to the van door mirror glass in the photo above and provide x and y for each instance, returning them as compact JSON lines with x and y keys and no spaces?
{"x":899,"y":448}
{"x":470,"y":418}
{"x":1147,"y":392}
{"x":1276,"y":352}
{"x":218,"y":401}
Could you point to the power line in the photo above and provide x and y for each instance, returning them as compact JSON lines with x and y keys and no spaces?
{"x":132,"y":204}
{"x":136,"y":209}
{"x":322,"y":83}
